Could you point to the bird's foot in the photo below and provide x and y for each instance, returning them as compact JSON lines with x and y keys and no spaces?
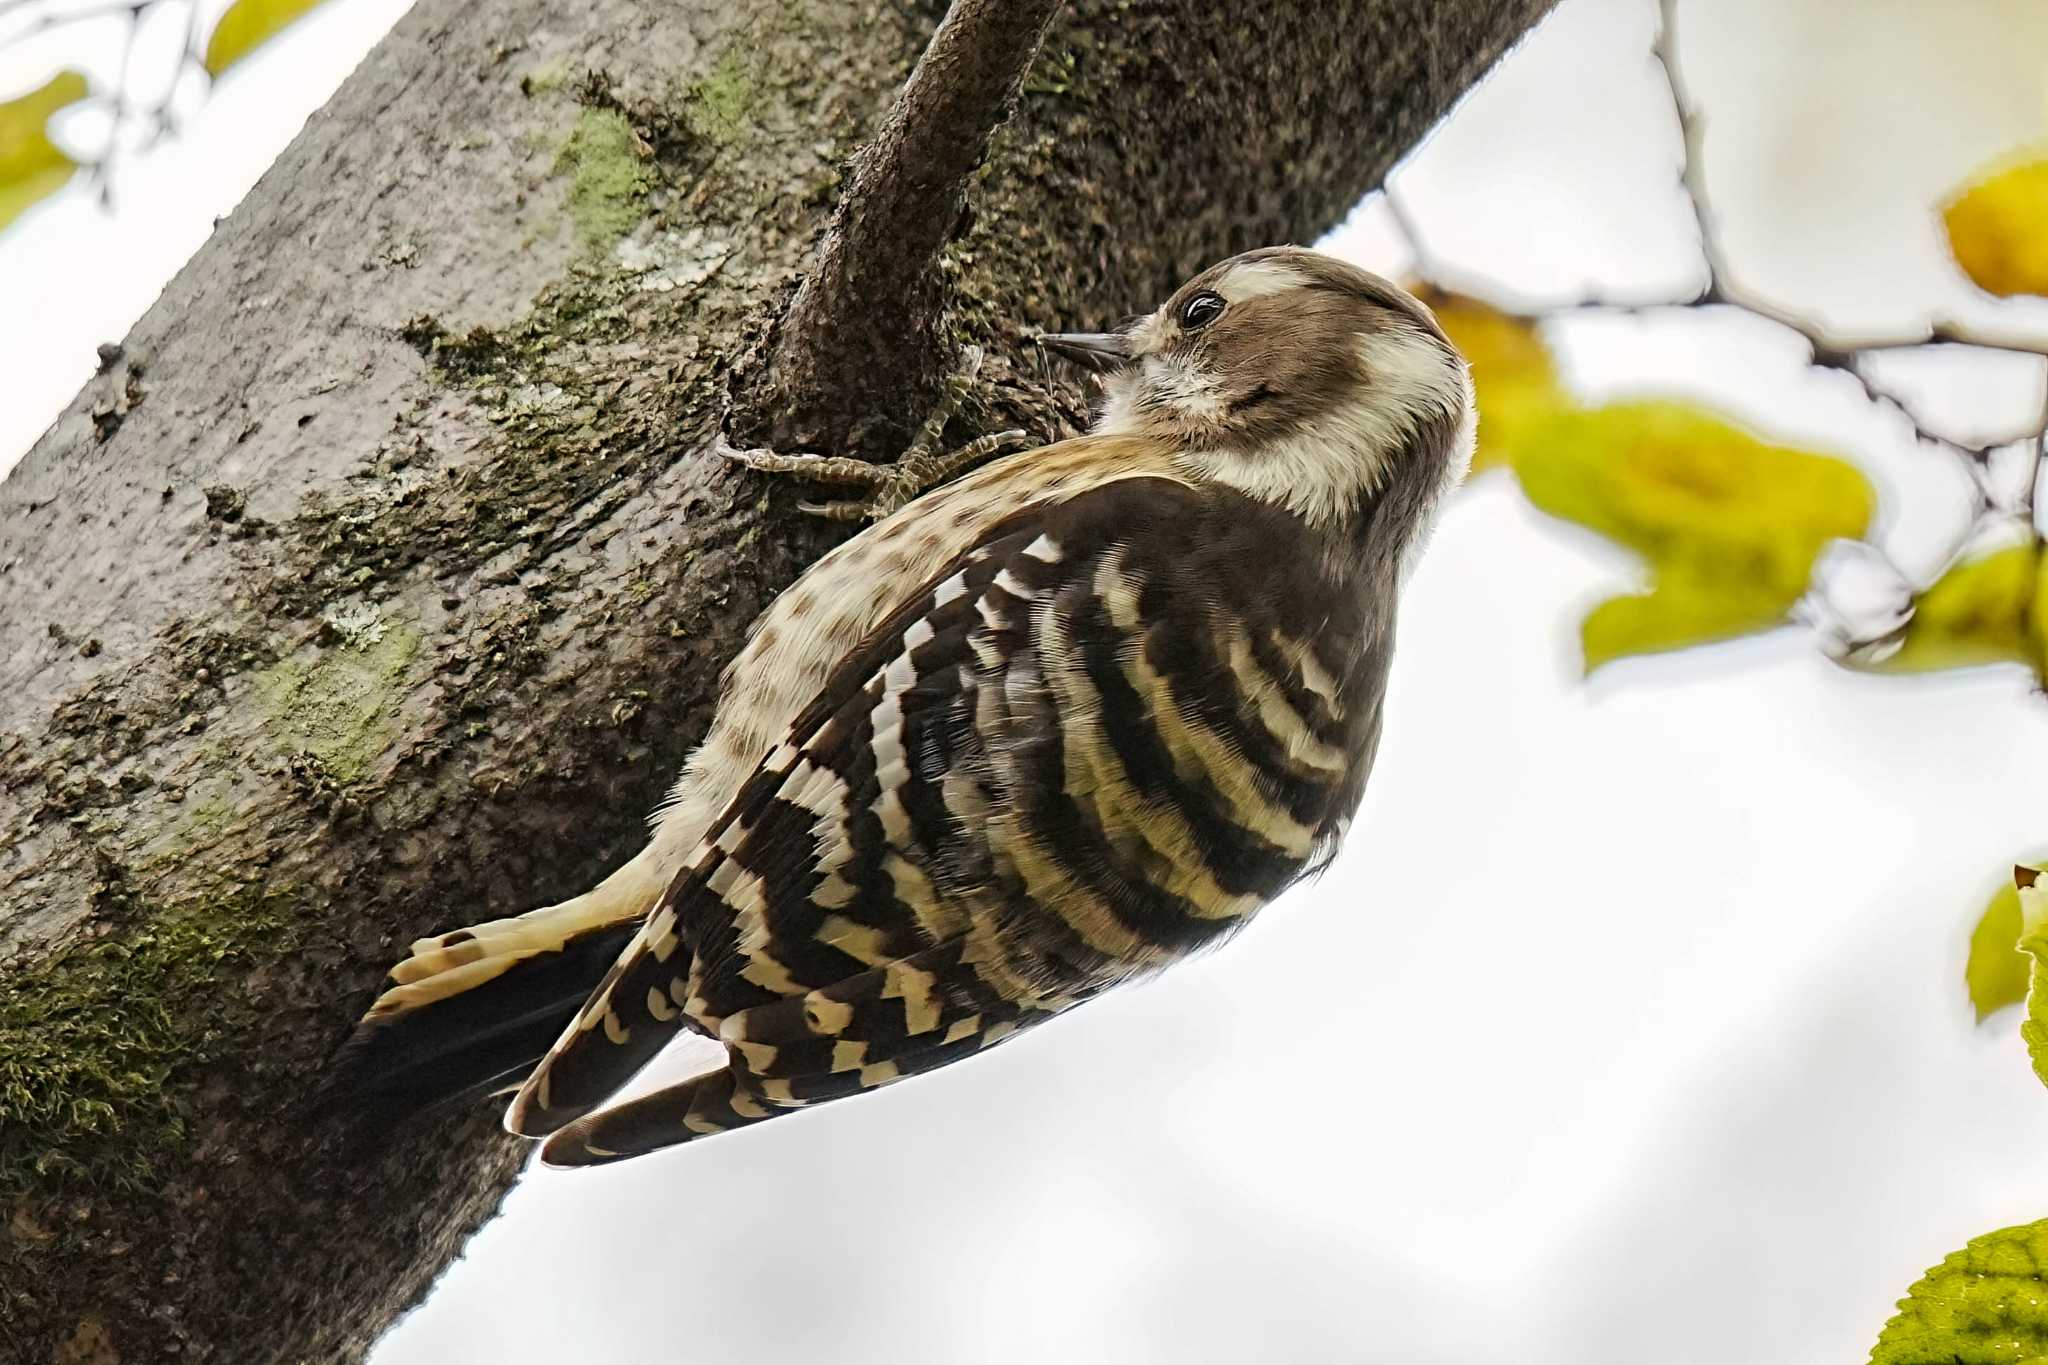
{"x":925,"y":465}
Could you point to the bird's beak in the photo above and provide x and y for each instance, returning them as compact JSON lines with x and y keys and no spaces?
{"x":1101,"y":352}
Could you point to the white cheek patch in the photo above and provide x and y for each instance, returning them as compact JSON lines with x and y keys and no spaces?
{"x":1320,"y":473}
{"x":1409,"y":379}
{"x":1169,"y":385}
{"x":1467,"y":439}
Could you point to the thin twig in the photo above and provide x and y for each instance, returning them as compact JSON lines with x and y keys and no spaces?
{"x":1420,"y":262}
{"x":1692,"y":132}
{"x":102,"y":170}
{"x":134,"y":125}
{"x":2040,"y":444}
{"x":1827,"y":349}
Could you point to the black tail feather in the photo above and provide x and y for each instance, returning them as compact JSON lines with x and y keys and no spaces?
{"x":469,"y":1044}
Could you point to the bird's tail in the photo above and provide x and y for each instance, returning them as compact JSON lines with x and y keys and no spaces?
{"x":470,"y":1012}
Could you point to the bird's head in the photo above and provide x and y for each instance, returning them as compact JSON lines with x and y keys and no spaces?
{"x":1295,"y":378}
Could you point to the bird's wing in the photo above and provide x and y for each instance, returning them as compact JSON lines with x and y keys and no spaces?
{"x":1079,"y":752}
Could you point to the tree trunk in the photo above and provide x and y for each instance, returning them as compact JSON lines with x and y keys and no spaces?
{"x":383,"y":583}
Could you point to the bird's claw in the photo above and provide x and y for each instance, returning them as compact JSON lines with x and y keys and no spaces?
{"x":889,"y":486}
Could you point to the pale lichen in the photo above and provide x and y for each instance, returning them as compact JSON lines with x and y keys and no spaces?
{"x":548,"y":76}
{"x":358,"y":624}
{"x":673,"y":259}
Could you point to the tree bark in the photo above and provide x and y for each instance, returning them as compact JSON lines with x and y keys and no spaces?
{"x":383,"y":583}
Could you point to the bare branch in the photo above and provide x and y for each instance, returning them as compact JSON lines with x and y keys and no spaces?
{"x":1692,"y":131}
{"x":2039,"y":442}
{"x":1827,"y":348}
{"x":134,"y":125}
{"x":860,"y":341}
{"x":1864,"y":632}
{"x":1421,"y":263}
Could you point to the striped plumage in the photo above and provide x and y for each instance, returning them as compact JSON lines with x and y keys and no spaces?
{"x":1046,"y":729}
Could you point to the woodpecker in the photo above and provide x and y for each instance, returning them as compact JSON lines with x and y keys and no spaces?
{"x":1046,"y":729}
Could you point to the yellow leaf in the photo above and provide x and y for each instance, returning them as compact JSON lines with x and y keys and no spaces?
{"x":2037,"y":619}
{"x":1730,"y":525}
{"x":1982,"y":611}
{"x":1679,"y":612}
{"x":31,"y":166}
{"x":1997,"y":971}
{"x":1512,"y":373}
{"x":1998,"y":226}
{"x":247,"y":25}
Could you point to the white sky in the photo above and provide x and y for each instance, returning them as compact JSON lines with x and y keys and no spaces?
{"x":1630,"y":1024}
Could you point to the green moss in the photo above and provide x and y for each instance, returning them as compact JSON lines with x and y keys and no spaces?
{"x":339,"y":709}
{"x":718,"y":106}
{"x":99,"y":1045}
{"x":208,"y":820}
{"x":608,"y":179}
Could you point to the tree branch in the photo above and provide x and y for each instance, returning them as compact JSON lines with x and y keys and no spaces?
{"x":861,"y":341}
{"x":1826,"y":348}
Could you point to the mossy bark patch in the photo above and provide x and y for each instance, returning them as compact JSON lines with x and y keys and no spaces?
{"x":608,"y":177}
{"x":98,"y":1044}
{"x":718,"y":105}
{"x":339,"y":706}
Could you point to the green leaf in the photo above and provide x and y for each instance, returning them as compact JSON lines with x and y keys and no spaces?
{"x":1998,"y":226}
{"x":1730,"y":525}
{"x":31,"y":166}
{"x":247,"y":25}
{"x":1985,"y":1305}
{"x":1981,"y":611}
{"x":1512,"y":373}
{"x":1997,"y":971}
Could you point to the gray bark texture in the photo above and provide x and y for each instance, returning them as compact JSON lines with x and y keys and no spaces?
{"x":383,"y":581}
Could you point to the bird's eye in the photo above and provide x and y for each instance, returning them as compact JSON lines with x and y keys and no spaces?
{"x":1201,"y":310}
